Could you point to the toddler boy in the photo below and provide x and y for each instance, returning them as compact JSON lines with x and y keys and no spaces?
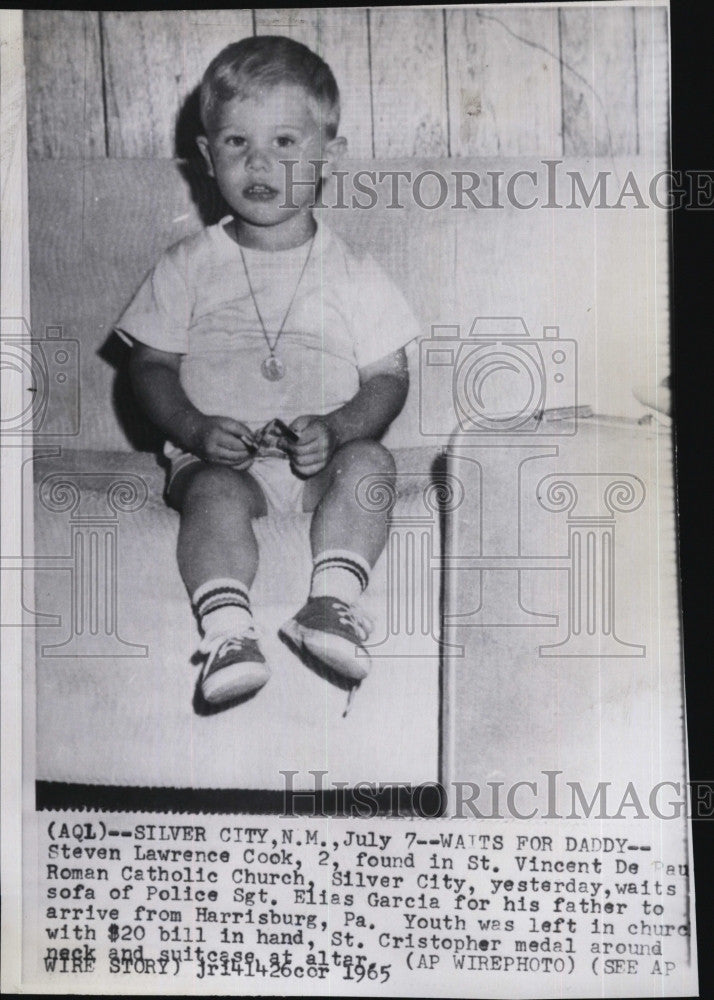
{"x":268,"y":315}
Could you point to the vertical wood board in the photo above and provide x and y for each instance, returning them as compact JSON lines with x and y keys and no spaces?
{"x":652,"y":59}
{"x":504,"y":82}
{"x":65,"y":113}
{"x":343,"y":43}
{"x":409,"y":82}
{"x":294,"y":22}
{"x":599,"y":81}
{"x":153,"y":60}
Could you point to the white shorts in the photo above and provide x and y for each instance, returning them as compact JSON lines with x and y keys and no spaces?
{"x":282,"y":490}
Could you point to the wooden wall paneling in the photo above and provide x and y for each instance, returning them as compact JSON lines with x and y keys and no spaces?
{"x":409,"y":82}
{"x":206,"y":32}
{"x":143,"y":81}
{"x":504,"y":82}
{"x":343,"y":43}
{"x":340,"y":36}
{"x":299,"y":24}
{"x":599,"y":81}
{"x":652,"y":58}
{"x":153,"y":60}
{"x":65,"y":112}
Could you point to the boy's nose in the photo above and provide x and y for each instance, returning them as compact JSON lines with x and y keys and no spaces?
{"x":257,"y":159}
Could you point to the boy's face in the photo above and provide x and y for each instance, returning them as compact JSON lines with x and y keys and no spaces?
{"x":247,"y":148}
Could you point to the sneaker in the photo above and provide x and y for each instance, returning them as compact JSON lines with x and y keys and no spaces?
{"x":335,"y":633}
{"x":234,"y":667}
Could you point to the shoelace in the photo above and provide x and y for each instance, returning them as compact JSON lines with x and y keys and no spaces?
{"x":211,"y":645}
{"x":360,"y":621}
{"x":356,"y":618}
{"x":350,"y":696}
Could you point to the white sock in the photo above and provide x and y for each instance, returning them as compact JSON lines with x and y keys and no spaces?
{"x":222,"y":607}
{"x":339,"y":573}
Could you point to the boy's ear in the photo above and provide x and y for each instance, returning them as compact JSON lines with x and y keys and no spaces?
{"x":203,"y":145}
{"x":335,"y":150}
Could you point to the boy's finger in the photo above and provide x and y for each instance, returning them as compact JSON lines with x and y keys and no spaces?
{"x":312,"y":469}
{"x":231,"y":457}
{"x":238,"y":440}
{"x":234,"y":427}
{"x":231,"y":445}
{"x":306,"y":437}
{"x":244,"y":437}
{"x":300,"y":423}
{"x":312,"y":466}
{"x":312,"y":434}
{"x":309,"y":451}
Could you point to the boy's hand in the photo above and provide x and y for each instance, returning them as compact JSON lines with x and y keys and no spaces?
{"x":222,"y":440}
{"x":315,"y":447}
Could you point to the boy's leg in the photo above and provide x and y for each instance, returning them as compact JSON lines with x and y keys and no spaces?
{"x":339,"y":520}
{"x":347,"y":539}
{"x":218,"y":560}
{"x":216,"y":538}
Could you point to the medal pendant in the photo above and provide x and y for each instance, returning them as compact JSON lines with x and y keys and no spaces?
{"x":272,"y":368}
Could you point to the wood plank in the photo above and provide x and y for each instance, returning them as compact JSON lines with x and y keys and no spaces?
{"x":206,"y":32}
{"x":65,"y":113}
{"x":652,"y":58}
{"x":339,"y":36}
{"x":153,"y":60}
{"x":343,"y":42}
{"x":504,"y":82}
{"x":142,"y":75}
{"x":409,"y":82}
{"x":294,"y":22}
{"x":599,"y":84}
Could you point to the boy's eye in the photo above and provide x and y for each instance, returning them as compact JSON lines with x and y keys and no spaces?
{"x":284,"y":141}
{"x":235,"y":140}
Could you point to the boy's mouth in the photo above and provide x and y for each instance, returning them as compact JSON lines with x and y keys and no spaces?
{"x":259,"y":192}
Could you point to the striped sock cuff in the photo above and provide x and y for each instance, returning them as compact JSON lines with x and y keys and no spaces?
{"x":352,"y":562}
{"x":221,"y":593}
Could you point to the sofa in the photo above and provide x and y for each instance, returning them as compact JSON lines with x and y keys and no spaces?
{"x":114,"y":632}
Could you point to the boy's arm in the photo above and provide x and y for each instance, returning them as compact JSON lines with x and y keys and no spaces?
{"x":155,"y":380}
{"x":383,"y":390}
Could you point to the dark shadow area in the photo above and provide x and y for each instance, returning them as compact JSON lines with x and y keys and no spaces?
{"x":439,"y":480}
{"x":140,"y":432}
{"x":204,"y":190}
{"x":399,"y":800}
{"x":323,"y":671}
{"x":205,"y":708}
{"x":693,"y":108}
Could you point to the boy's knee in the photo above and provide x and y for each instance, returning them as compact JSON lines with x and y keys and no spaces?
{"x":217,"y":483}
{"x":365,"y":456}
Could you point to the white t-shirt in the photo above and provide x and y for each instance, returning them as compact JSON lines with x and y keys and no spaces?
{"x":196,"y":302}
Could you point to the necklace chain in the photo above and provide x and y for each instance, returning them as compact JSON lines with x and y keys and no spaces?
{"x":271,"y":347}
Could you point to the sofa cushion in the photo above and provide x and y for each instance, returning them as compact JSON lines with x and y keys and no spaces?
{"x":120,"y":653}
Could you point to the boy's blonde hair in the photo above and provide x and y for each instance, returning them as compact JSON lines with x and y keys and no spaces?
{"x":244,"y":67}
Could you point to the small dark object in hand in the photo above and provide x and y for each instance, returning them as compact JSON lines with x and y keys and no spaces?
{"x":287,"y":432}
